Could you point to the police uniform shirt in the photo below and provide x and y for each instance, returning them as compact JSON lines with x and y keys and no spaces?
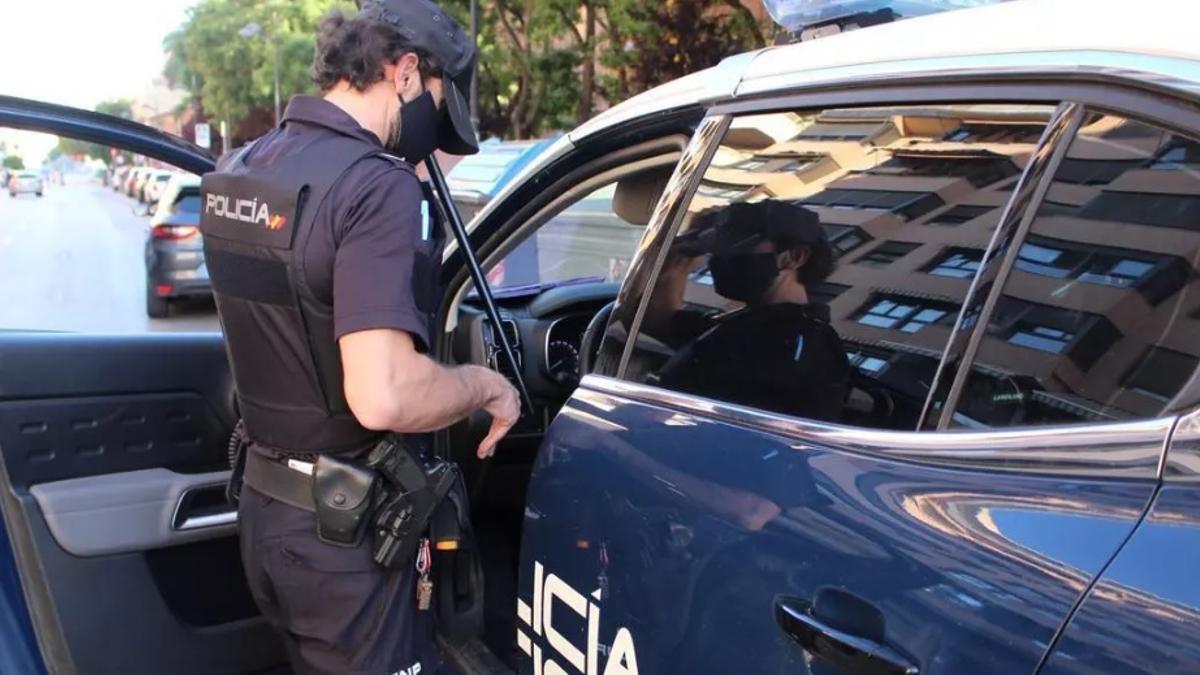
{"x":367,"y":236}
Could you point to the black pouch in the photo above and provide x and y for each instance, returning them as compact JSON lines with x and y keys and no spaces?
{"x":344,"y":494}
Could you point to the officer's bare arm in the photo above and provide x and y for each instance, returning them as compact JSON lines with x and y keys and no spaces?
{"x":390,"y":386}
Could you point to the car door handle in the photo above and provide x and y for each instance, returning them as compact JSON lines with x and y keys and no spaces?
{"x":849,"y":653}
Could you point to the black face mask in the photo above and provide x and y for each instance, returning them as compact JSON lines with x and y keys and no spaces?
{"x":743,"y":276}
{"x":415,"y":135}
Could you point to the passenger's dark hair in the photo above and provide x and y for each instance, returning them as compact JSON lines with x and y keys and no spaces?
{"x":355,"y":49}
{"x":821,"y":259}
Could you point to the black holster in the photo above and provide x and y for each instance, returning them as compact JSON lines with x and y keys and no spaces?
{"x":413,"y":488}
{"x":344,"y":494}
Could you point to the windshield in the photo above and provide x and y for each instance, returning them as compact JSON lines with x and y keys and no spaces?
{"x":796,"y":15}
{"x":585,"y":241}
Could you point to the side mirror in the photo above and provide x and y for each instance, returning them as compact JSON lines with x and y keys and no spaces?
{"x":141,"y":210}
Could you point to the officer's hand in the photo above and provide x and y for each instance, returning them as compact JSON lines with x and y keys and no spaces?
{"x":505,"y":408}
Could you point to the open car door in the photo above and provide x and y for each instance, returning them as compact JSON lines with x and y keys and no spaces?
{"x":112,"y":480}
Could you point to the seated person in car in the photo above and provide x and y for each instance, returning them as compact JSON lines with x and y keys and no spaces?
{"x":776,"y":350}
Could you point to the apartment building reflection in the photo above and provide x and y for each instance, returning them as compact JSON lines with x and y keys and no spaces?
{"x":1092,"y":324}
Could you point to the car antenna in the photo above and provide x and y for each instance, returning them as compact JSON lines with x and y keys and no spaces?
{"x":438,"y":181}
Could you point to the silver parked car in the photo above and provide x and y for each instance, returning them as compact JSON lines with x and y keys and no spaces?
{"x":25,"y":182}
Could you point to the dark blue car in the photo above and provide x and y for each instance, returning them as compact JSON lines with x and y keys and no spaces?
{"x":966,"y":442}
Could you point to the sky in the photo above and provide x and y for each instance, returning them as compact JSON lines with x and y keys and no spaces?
{"x":81,"y":52}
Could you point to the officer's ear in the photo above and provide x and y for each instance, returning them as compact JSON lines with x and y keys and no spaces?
{"x":406,"y":74}
{"x":794,"y":258}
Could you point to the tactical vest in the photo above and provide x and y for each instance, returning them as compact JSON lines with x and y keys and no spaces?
{"x":279,"y":336}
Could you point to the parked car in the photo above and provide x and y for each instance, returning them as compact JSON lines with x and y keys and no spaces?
{"x":25,"y":182}
{"x":174,"y":249}
{"x":1004,"y":481}
{"x":155,"y":183}
{"x":117,"y":177}
{"x":132,"y":179}
{"x":476,"y":178}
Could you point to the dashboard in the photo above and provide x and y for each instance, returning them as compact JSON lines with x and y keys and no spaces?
{"x":545,"y":329}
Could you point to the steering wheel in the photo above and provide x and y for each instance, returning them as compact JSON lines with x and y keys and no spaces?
{"x":589,"y":345}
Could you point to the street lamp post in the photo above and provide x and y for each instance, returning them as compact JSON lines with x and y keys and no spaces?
{"x":253,"y":30}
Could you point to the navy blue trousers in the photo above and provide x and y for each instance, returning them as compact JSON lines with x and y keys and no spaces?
{"x":338,"y":611}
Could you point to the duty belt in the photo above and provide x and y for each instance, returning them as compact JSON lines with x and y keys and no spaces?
{"x":288,"y":480}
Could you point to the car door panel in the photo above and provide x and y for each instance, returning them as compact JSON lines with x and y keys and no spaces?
{"x":114,"y":450}
{"x":133,"y":511}
{"x":1143,"y":615}
{"x":698,"y":528}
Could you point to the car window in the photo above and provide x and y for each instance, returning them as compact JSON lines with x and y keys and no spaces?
{"x":825,"y":256}
{"x":187,"y":202}
{"x":1099,"y":318}
{"x":82,"y":252}
{"x":585,"y":240}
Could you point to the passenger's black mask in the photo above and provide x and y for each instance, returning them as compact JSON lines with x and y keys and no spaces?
{"x":415,"y":135}
{"x":743,"y":276}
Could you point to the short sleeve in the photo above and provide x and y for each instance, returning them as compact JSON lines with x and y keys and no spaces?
{"x":375,"y":257}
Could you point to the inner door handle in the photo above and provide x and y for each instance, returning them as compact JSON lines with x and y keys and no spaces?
{"x":849,"y":653}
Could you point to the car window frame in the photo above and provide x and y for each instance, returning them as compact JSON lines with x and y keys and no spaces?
{"x":1077,"y":448}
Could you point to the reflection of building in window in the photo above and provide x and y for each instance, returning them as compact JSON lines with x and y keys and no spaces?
{"x":728,"y":191}
{"x":886,"y":253}
{"x":1145,"y":208}
{"x":845,"y":238}
{"x":907,"y":205}
{"x":904,"y":313}
{"x":777,"y":163}
{"x":866,"y":362}
{"x":1161,"y":372}
{"x":826,"y":292}
{"x":996,"y":132}
{"x":839,"y":131}
{"x":978,"y":168}
{"x":1094,"y":171}
{"x":1155,"y":276}
{"x":957,"y":262}
{"x":959,"y":214}
{"x":1081,"y":336}
{"x":1178,"y":154}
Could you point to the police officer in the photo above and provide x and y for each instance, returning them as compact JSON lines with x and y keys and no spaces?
{"x":778,"y":351}
{"x":325,"y":269}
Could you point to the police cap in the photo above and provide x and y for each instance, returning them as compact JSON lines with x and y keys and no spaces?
{"x":743,"y":225}
{"x":432,"y":31}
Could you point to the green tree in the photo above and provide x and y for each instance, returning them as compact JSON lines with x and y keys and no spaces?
{"x":14,"y":162}
{"x":121,"y":107}
{"x":233,"y":76}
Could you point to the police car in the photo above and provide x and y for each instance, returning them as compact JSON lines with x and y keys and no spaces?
{"x":1007,"y":482}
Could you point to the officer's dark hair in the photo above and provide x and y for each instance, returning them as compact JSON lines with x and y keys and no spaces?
{"x":355,"y":49}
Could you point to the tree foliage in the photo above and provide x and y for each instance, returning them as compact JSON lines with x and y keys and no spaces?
{"x":544,"y":65}
{"x":233,"y":75}
{"x":13,"y":163}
